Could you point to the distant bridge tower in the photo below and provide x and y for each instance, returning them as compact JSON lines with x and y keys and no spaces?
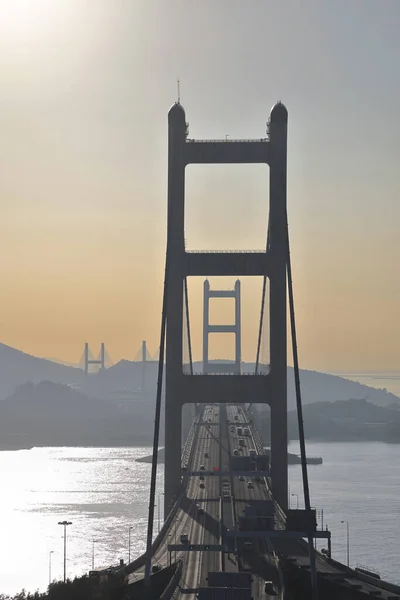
{"x":221,"y":367}
{"x":94,"y":361}
{"x":270,"y":387}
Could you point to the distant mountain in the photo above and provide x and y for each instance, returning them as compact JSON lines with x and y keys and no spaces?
{"x":17,"y":367}
{"x":350,"y":420}
{"x":50,"y":414}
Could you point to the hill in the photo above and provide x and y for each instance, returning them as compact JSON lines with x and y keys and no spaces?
{"x":350,"y":420}
{"x":49,"y":414}
{"x":17,"y":367}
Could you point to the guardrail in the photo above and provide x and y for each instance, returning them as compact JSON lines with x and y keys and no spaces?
{"x":173,"y":584}
{"x":226,"y":141}
{"x":225,"y":251}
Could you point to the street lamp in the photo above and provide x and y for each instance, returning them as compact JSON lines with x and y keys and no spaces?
{"x":129,"y":545}
{"x":64,"y":524}
{"x":50,"y":553}
{"x":348,"y":541}
{"x":297,"y":500}
{"x":93,"y":542}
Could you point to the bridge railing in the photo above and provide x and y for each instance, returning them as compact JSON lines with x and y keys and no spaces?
{"x":140,"y":560}
{"x":225,"y":251}
{"x":227,"y":141}
{"x":171,"y":587}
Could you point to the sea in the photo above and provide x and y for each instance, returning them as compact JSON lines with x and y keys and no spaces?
{"x":104,"y":493}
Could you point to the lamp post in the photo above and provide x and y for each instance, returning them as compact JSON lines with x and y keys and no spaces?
{"x":50,"y":553}
{"x":297,"y":500}
{"x":348,"y":541}
{"x":129,"y":545}
{"x":64,"y":524}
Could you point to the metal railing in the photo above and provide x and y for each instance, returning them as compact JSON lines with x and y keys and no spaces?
{"x":242,"y":374}
{"x":225,"y":251}
{"x":227,"y":141}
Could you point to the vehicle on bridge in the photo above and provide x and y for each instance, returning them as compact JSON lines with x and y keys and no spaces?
{"x":269,"y":588}
{"x":184,"y":538}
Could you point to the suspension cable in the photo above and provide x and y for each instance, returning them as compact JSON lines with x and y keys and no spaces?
{"x":156,"y":430}
{"x":314,"y":586}
{"x":189,"y":339}
{"x":188,"y":325}
{"x":260,"y":328}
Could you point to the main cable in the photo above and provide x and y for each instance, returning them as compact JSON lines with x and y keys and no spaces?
{"x":314,"y":583}
{"x":156,"y":429}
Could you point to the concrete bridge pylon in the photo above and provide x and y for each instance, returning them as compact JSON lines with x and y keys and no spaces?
{"x":269,"y":388}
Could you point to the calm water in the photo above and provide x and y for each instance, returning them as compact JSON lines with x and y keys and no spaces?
{"x":103,"y":491}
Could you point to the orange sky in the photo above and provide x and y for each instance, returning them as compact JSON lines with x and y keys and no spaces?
{"x":83,"y":121}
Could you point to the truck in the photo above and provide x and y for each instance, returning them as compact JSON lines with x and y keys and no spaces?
{"x":246,"y":431}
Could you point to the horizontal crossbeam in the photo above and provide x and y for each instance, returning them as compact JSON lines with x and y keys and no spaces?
{"x":233,"y":264}
{"x":226,"y":152}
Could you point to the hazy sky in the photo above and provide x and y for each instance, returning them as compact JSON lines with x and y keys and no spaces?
{"x":85,"y":90}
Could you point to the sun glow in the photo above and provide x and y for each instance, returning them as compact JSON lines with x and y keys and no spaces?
{"x":31,"y":20}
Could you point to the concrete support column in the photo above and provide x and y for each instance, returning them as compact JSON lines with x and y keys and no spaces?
{"x":278,"y":301}
{"x":206,"y":322}
{"x":238,"y":327}
{"x":175,"y":276}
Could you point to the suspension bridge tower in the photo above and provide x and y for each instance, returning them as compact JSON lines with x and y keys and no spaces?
{"x":269,"y":388}
{"x":235,"y":328}
{"x":89,"y":360}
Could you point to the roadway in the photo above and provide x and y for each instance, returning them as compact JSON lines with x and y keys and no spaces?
{"x":213,"y":504}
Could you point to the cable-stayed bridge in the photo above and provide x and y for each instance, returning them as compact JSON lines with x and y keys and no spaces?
{"x":229,"y":532}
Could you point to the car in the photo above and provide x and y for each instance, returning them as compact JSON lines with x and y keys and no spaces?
{"x":202,"y":486}
{"x":236,"y":452}
{"x":200,"y":510}
{"x":241,"y":478}
{"x":205,"y":454}
{"x":249,"y":484}
{"x":201,"y":478}
{"x":247,"y":546}
{"x":269,"y":588}
{"x":184,"y":538}
{"x":202,"y":468}
{"x":155,"y":568}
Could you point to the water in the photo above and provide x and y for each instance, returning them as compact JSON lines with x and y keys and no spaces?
{"x":103,"y":491}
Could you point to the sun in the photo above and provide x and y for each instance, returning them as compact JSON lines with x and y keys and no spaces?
{"x":29,"y":20}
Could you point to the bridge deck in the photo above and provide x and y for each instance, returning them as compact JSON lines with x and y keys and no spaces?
{"x":206,"y":517}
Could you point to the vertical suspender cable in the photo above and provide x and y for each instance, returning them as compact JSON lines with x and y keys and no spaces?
{"x":156,"y":430}
{"x":260,"y":331}
{"x":306,"y":489}
{"x":189,"y":339}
